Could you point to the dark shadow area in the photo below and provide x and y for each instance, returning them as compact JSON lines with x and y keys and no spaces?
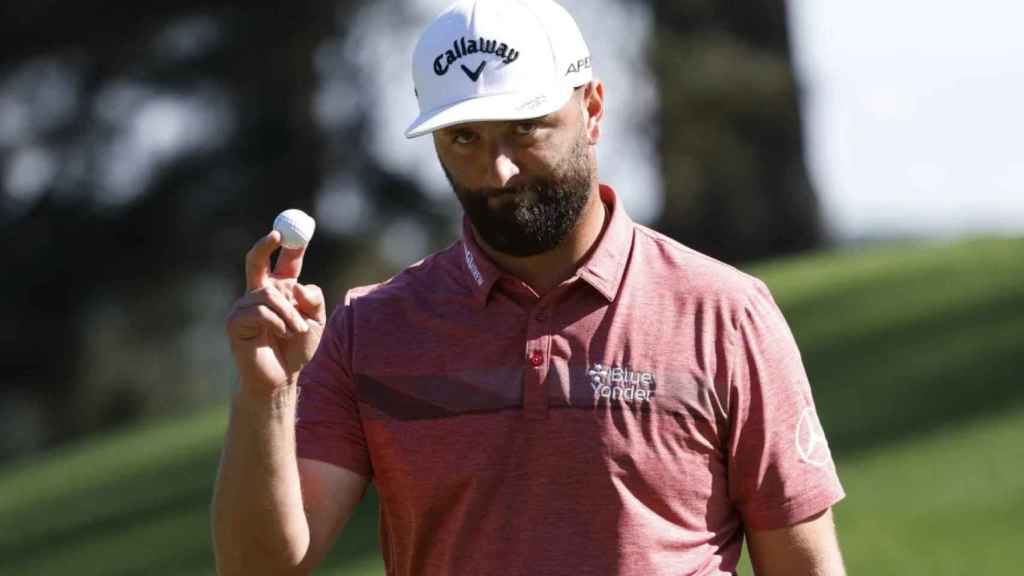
{"x":893,"y":353}
{"x":878,"y":387}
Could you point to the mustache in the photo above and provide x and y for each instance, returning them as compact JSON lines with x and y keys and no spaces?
{"x":534,"y":185}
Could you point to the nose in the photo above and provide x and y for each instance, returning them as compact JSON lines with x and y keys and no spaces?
{"x":503,"y":169}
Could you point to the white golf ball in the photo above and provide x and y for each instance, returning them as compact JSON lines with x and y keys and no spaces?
{"x":296,"y":228}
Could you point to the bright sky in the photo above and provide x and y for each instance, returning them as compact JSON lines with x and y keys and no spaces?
{"x":913,"y":112}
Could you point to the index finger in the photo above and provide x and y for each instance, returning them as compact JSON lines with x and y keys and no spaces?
{"x":257,"y":261}
{"x":289,"y":262}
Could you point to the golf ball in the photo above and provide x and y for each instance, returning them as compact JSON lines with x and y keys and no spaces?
{"x":296,"y":228}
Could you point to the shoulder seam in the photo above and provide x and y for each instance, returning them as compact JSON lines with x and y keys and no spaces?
{"x":410,"y":272}
{"x":664,"y":240}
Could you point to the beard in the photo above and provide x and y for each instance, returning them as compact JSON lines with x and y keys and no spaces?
{"x":535,"y":216}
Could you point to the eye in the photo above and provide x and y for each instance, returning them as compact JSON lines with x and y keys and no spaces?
{"x":463,"y":137}
{"x":525,"y":128}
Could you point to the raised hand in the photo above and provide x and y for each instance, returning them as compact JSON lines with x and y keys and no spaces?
{"x":275,"y":327}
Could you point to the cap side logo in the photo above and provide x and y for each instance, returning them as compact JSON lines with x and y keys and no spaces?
{"x":462,"y":48}
{"x":578,"y":66}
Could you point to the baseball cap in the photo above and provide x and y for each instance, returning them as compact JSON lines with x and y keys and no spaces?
{"x":496,"y":60}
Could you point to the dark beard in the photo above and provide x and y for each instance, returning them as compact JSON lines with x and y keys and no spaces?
{"x":534,"y":217}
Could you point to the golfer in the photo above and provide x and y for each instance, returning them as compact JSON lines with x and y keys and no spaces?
{"x":562,"y":391}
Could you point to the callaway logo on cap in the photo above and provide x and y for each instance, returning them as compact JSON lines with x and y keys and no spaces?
{"x":497,"y":60}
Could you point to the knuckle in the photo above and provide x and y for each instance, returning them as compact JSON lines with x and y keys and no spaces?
{"x":233,"y":314}
{"x":284,"y":284}
{"x":249,"y":297}
{"x":265,"y":294}
{"x":269,"y":318}
{"x":253,"y":298}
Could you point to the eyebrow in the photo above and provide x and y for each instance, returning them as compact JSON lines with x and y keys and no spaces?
{"x":547,"y":118}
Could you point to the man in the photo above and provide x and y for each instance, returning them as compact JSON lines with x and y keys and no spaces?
{"x":561,"y":392}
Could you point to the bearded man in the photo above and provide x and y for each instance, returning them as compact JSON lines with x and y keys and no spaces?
{"x":562,"y":391}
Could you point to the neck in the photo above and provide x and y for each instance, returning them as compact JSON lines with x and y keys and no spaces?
{"x":544,"y":271}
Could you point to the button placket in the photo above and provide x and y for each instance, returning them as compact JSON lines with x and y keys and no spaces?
{"x":535,"y":402}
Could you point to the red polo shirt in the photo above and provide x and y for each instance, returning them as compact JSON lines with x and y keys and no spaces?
{"x":632,"y":421}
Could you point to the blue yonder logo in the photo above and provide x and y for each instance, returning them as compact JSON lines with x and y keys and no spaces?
{"x":619,"y":382}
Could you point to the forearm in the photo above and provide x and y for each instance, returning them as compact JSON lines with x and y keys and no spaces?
{"x":259,"y":525}
{"x":806,"y":549}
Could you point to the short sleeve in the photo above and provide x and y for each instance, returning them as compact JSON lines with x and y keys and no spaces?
{"x":780,"y":467}
{"x":327,"y":425}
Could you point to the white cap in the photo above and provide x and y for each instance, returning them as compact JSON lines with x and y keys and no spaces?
{"x":497,"y":60}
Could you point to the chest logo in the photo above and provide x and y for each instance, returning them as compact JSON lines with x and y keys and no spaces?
{"x":620,"y":382}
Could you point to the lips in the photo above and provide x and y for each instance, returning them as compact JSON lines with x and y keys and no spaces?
{"x":510,"y":191}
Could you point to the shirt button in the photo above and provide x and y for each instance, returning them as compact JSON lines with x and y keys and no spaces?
{"x":541,"y":316}
{"x":536,"y":358}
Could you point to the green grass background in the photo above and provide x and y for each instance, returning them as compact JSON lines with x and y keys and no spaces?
{"x":915,"y":351}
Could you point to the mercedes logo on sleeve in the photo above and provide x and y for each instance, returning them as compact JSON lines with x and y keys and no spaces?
{"x":810,"y":440}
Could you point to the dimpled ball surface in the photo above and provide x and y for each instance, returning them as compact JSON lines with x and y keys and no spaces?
{"x":296,"y":228}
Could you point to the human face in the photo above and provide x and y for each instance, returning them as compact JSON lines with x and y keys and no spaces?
{"x":523,"y":184}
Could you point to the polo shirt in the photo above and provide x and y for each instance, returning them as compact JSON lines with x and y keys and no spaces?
{"x":635,"y":420}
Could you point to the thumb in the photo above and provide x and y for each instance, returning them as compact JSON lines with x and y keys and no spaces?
{"x":309,"y":300}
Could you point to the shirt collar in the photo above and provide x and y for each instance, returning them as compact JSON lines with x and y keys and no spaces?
{"x":482,"y":272}
{"x":602,"y":270}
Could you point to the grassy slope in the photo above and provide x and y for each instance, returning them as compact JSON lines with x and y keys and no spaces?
{"x":914,"y":353}
{"x":916,"y":356}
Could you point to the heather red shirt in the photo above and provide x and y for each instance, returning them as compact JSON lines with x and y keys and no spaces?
{"x":632,"y":421}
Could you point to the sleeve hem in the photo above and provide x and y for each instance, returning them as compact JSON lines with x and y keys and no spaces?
{"x":795,"y":510}
{"x":344,"y":460}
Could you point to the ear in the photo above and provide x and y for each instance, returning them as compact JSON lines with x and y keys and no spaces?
{"x":593,"y":108}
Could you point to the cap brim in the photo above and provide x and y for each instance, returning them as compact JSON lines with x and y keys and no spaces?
{"x":494,"y":107}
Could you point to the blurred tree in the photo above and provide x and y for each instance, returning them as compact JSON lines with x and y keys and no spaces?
{"x":736,"y":186}
{"x":145,"y":146}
